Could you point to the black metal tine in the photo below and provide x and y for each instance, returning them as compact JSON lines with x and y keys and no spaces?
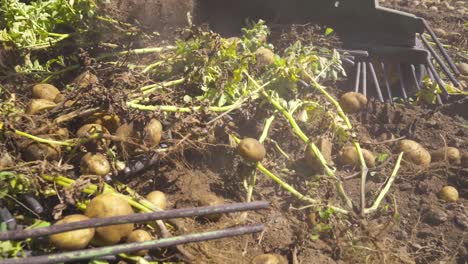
{"x":437,"y":79}
{"x":376,"y":81}
{"x":364,"y":78}
{"x":402,"y":83}
{"x":441,"y":48}
{"x":348,"y":60}
{"x":387,"y":83}
{"x":441,"y":63}
{"x":358,"y":76}
{"x":416,"y":81}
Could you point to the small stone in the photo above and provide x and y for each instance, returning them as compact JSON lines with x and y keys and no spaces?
{"x":433,"y":8}
{"x":423,"y":187}
{"x":435,"y":216}
{"x":449,"y":7}
{"x":461,"y":221}
{"x":405,"y":186}
{"x":440,"y":32}
{"x":463,"y":68}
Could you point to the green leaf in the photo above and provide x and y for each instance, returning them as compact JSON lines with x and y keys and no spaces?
{"x":328,"y":31}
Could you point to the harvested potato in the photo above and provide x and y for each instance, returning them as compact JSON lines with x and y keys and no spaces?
{"x":85,"y":79}
{"x":252,"y":150}
{"x":107,"y":205}
{"x":152,"y":133}
{"x":126,"y":133}
{"x":72,"y":240}
{"x":95,"y":164}
{"x":136,"y":236}
{"x":110,"y":121}
{"x":210,"y":199}
{"x":452,"y":154}
{"x":449,"y":194}
{"x":32,"y":150}
{"x":47,"y":92}
{"x":325,"y":147}
{"x":158,"y":199}
{"x":37,"y":106}
{"x":62,"y":133}
{"x":269,"y":259}
{"x":414,"y":152}
{"x":264,"y":57}
{"x":353,"y":102}
{"x":464,"y":160}
{"x":349,"y":156}
{"x":90,"y":129}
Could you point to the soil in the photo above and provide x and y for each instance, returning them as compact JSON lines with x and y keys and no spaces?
{"x":413,"y":224}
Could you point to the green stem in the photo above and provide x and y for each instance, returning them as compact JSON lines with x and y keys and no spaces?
{"x":386,"y":188}
{"x":171,"y":108}
{"x":43,"y":140}
{"x":135,"y":52}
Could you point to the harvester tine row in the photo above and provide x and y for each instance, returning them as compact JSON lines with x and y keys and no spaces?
{"x":376,"y":81}
{"x":431,"y":76}
{"x":441,"y":48}
{"x":402,"y":83}
{"x":387,"y":83}
{"x":440,"y":62}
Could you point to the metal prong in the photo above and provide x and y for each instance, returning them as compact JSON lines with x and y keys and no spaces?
{"x":437,"y":79}
{"x":348,"y":60}
{"x":358,"y":76}
{"x":441,"y":48}
{"x":441,"y":63}
{"x":416,"y":81}
{"x":387,"y":84}
{"x":439,"y":100}
{"x":376,"y":81}
{"x":402,"y":83}
{"x":364,"y":79}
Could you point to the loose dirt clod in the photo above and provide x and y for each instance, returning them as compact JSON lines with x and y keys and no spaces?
{"x":37,"y":106}
{"x":85,"y":79}
{"x":269,"y":259}
{"x":353,"y":102}
{"x":210,"y":199}
{"x":252,"y":150}
{"x":452,"y":154}
{"x":325,"y":146}
{"x":349,"y":157}
{"x":107,"y":205}
{"x":414,"y":152}
{"x":158,"y":199}
{"x":47,"y":92}
{"x":94,"y":164}
{"x":139,"y":235}
{"x":464,"y":160}
{"x":449,"y":194}
{"x":127,"y":133}
{"x":72,"y":240}
{"x":110,"y":121}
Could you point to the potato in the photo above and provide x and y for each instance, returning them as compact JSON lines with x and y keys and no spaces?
{"x":264,"y":57}
{"x":325,"y":147}
{"x":353,"y":102}
{"x":90,"y":129}
{"x":452,"y":154}
{"x":158,"y":199}
{"x":414,"y":152}
{"x":85,"y":79}
{"x":269,"y":259}
{"x":47,"y":92}
{"x":37,"y":106}
{"x":252,"y":150}
{"x":152,"y":133}
{"x":210,"y":199}
{"x":126,"y":132}
{"x":449,"y":194}
{"x":349,"y":157}
{"x":72,"y":240}
{"x":136,"y":236}
{"x":32,"y":150}
{"x":107,"y":205}
{"x":110,"y":121}
{"x":94,"y":164}
{"x":62,"y":133}
{"x":464,"y":160}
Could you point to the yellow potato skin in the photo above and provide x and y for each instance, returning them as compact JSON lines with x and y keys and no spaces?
{"x":72,"y":240}
{"x":252,"y":150}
